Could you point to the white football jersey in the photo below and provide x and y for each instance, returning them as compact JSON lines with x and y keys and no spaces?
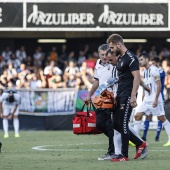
{"x":104,"y":72}
{"x":3,"y":99}
{"x":150,"y":77}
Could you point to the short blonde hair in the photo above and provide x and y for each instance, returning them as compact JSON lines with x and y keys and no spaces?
{"x":115,"y":38}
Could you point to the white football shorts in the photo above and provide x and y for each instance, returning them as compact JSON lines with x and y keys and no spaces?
{"x":147,"y":108}
{"x":8,"y":109}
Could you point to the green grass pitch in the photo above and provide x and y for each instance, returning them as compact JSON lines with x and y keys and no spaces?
{"x":62,"y":150}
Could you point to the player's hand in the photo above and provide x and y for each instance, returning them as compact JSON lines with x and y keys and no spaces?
{"x":133,"y":101}
{"x":155,"y":103}
{"x":9,"y":117}
{"x":1,"y":115}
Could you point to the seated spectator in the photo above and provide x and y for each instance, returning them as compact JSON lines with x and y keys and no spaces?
{"x":21,"y":54}
{"x":38,"y":57}
{"x":29,"y":64}
{"x":6,"y":53}
{"x":16,"y":62}
{"x":55,"y":82}
{"x":52,"y":66}
{"x":73,"y":82}
{"x":34,"y":82}
{"x":63,"y":57}
{"x":86,"y":75}
{"x":48,"y":76}
{"x":53,"y":55}
{"x":152,"y":52}
{"x":22,"y":74}
{"x":81,"y":58}
{"x":11,"y":73}
{"x":71,"y":70}
{"x":4,"y":79}
{"x":71,"y":57}
{"x":164,"y":53}
{"x":42,"y":77}
{"x":2,"y":65}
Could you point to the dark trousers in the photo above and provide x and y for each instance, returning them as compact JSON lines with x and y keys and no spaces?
{"x":105,"y":124}
{"x":121,"y":118}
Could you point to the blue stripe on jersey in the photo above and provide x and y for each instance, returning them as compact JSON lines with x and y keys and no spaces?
{"x":162,"y":76}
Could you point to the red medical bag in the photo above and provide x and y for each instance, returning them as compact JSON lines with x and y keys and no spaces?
{"x":84,"y":122}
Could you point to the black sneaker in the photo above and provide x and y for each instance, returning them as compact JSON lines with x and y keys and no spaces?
{"x":143,"y":138}
{"x":156,"y":139}
{"x":0,"y":146}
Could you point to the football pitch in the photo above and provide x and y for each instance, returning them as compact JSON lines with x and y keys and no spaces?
{"x":62,"y":150}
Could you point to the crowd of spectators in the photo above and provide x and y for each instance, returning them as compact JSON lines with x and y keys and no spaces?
{"x":51,"y":70}
{"x":62,"y":69}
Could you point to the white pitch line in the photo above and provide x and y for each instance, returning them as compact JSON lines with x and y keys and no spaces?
{"x":45,"y":148}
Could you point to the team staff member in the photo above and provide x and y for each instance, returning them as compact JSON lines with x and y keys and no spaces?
{"x":153,"y":102}
{"x":102,"y":72}
{"x":9,"y":102}
{"x":129,"y":80}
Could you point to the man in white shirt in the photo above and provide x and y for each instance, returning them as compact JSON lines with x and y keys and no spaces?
{"x":9,"y":102}
{"x":153,"y":102}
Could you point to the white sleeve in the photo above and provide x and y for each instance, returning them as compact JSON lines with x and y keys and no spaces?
{"x":156,"y":74}
{"x":96,"y":76}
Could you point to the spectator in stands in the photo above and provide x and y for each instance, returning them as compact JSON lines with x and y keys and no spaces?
{"x":152,"y":52}
{"x":38,"y":57}
{"x":42,"y":77}
{"x":4,"y":80}
{"x":11,"y":73}
{"x":29,"y":64}
{"x":6,"y":53}
{"x":86,"y":75}
{"x":21,"y":54}
{"x":73,"y":82}
{"x":56,"y":69}
{"x":2,"y":64}
{"x":48,"y":76}
{"x":71,"y":70}
{"x":16,"y":62}
{"x":22,"y":74}
{"x":81,"y":58}
{"x":63,"y":57}
{"x":71,"y":57}
{"x":53,"y":55}
{"x":164,"y":53}
{"x":55,"y":82}
{"x":33,"y":81}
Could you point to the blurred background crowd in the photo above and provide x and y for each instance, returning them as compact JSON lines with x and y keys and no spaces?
{"x":60,"y":67}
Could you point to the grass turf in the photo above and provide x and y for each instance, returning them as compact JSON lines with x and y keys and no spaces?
{"x":62,"y":150}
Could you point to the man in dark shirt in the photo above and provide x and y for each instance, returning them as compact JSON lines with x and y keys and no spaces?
{"x":129,"y":80}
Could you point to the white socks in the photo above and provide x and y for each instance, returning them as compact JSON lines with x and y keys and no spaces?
{"x":166,"y":125}
{"x":117,"y":142}
{"x":135,"y":132}
{"x":16,"y":125}
{"x":137,"y":126}
{"x":5,"y":126}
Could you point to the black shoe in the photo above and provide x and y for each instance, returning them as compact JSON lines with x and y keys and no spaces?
{"x":143,"y":138}
{"x":156,"y":139}
{"x":0,"y":146}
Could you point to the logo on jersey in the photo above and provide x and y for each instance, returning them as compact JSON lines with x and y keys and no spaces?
{"x":121,"y":63}
{"x":122,"y":106}
{"x":156,"y":78}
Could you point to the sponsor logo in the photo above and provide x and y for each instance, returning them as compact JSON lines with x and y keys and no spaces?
{"x":110,"y":17}
{"x":40,"y":18}
{"x":122,"y":106}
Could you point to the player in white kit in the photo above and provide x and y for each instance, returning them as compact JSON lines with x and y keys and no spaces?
{"x":9,"y":102}
{"x":153,"y":102}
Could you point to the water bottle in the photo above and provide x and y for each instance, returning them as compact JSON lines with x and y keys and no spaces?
{"x":112,"y":81}
{"x":102,"y":87}
{"x":107,"y":84}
